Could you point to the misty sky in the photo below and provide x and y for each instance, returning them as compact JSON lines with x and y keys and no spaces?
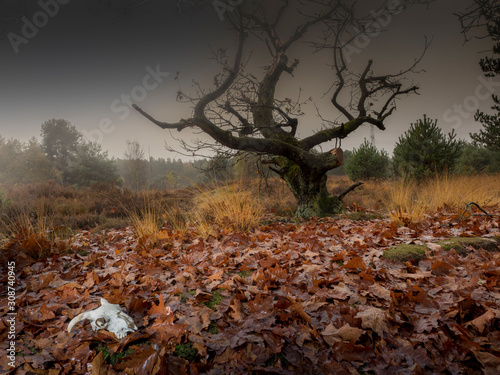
{"x":82,"y":65}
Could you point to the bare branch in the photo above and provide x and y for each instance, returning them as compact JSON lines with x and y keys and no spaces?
{"x":164,"y":125}
{"x":349,"y":189}
{"x":478,"y":16}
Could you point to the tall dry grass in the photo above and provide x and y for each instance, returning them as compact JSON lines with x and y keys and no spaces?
{"x":36,"y":220}
{"x":32,"y":232}
{"x":146,"y":221}
{"x":233,"y":207}
{"x":411,"y":201}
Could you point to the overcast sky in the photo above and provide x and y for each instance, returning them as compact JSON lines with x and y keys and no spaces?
{"x":82,"y":66}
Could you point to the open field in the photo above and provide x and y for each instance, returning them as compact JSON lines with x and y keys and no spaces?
{"x":50,"y":208}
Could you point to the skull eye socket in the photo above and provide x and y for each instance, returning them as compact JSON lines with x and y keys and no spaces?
{"x":101,"y":322}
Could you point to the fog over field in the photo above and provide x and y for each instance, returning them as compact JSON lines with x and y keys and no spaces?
{"x":87,"y":61}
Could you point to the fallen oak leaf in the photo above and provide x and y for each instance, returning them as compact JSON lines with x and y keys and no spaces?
{"x":164,"y":330}
{"x":197,"y":321}
{"x":140,"y":363}
{"x":46,"y":313}
{"x":225,"y":357}
{"x":299,"y":310}
{"x":310,"y":254}
{"x":43,"y":282}
{"x":310,"y":306}
{"x":70,"y":285}
{"x":379,"y":291}
{"x":490,"y":362}
{"x":91,"y":279}
{"x":440,"y":268}
{"x":340,"y":292}
{"x":332,"y":335}
{"x":70,"y":294}
{"x":268,"y":262}
{"x":237,"y":313}
{"x":481,"y":322}
{"x":426,"y":323}
{"x":161,"y":311}
{"x":348,"y":333}
{"x":337,"y":257}
{"x":217,"y":276}
{"x":373,"y":318}
{"x":355,"y":263}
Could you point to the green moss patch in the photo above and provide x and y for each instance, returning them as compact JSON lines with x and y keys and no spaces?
{"x":215,"y":299}
{"x":406,"y":253}
{"x":460,"y":244}
{"x":186,"y":351}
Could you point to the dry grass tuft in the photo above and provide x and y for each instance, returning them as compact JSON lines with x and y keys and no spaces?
{"x":457,"y":191}
{"x":410,"y":201}
{"x":404,"y":203}
{"x":156,"y":220}
{"x":32,"y":233}
{"x":232,"y":207}
{"x":145,"y":222}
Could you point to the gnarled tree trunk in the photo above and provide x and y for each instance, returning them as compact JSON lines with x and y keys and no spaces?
{"x":310,"y":190}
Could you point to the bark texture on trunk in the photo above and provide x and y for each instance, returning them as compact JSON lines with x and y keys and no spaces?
{"x":309,"y":188}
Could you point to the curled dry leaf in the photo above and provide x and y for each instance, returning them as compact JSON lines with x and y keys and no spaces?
{"x":333,"y":335}
{"x":440,"y":268}
{"x":481,"y":322}
{"x":375,"y":319}
{"x":490,"y":362}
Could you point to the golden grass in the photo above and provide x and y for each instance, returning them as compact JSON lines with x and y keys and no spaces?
{"x":411,"y":201}
{"x":404,"y":203}
{"x":145,"y":222}
{"x":33,"y":233}
{"x":457,"y":191}
{"x":38,"y":222}
{"x":232,"y":207}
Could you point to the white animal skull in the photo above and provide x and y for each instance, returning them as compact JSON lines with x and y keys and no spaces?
{"x":110,"y":317}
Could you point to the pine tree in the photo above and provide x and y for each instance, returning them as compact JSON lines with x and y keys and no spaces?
{"x":490,"y":135}
{"x":367,"y":162}
{"x":60,"y":140}
{"x":424,"y":150}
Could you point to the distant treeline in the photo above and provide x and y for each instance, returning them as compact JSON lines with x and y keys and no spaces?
{"x":64,"y":156}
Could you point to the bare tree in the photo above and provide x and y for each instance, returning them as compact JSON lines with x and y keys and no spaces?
{"x":135,"y":165}
{"x":243,"y":112}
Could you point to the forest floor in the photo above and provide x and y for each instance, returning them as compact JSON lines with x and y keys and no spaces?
{"x":317,"y":297}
